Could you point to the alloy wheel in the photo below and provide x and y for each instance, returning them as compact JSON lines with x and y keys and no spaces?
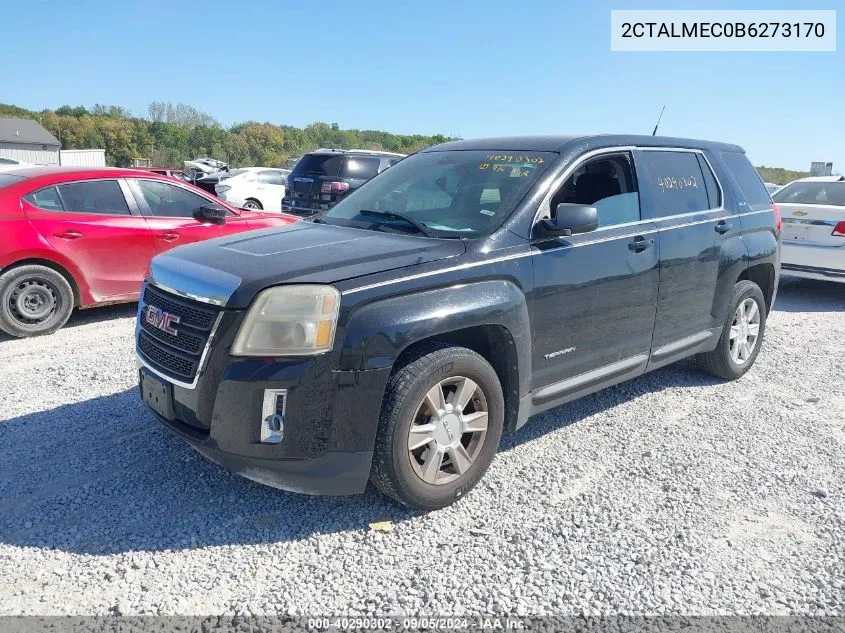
{"x":448,"y":430}
{"x":745,"y":330}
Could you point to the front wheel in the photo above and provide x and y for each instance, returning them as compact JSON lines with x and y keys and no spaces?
{"x":34,"y":300}
{"x":440,"y":427}
{"x":742,"y":334}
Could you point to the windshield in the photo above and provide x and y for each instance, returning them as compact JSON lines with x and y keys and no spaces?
{"x":832,"y":193}
{"x":452,"y":194}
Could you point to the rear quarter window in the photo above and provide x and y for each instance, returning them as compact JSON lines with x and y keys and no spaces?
{"x":47,"y":199}
{"x":748,"y":180}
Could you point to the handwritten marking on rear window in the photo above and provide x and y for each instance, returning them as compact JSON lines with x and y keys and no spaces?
{"x":671,"y":182}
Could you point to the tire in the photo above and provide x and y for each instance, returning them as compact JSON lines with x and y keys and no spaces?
{"x":34,"y":300}
{"x":397,"y":471}
{"x":253,"y":204}
{"x":721,"y":362}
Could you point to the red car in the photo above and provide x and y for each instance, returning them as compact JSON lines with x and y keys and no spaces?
{"x":72,"y":237}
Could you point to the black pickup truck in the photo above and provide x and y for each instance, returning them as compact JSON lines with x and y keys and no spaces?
{"x":396,"y":336}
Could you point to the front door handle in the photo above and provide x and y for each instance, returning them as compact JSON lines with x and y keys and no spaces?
{"x":639,"y":244}
{"x":723,"y":227}
{"x":169,"y":237}
{"x":68,"y":235}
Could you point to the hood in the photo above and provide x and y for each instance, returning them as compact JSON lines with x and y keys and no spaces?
{"x":233,"y":269}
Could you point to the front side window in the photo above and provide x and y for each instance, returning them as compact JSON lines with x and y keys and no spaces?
{"x":832,"y":193}
{"x":169,"y":201}
{"x":676,"y":182}
{"x":606,"y":183}
{"x":450,"y":194}
{"x":47,"y":199}
{"x":94,"y":196}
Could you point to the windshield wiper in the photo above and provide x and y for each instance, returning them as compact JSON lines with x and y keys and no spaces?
{"x":419,"y":226}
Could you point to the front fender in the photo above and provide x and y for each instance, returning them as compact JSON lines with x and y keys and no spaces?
{"x":378,"y":332}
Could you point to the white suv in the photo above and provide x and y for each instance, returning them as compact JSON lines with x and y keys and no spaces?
{"x":259,"y":188}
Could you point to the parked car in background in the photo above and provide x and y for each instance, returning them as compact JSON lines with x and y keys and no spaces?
{"x":322,"y":178}
{"x":772,"y":187}
{"x":255,"y":188}
{"x":813,"y":227}
{"x":12,"y":163}
{"x":208,"y":182}
{"x":74,"y":237}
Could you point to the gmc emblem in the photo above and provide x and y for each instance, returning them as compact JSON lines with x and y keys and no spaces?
{"x":160,"y":319}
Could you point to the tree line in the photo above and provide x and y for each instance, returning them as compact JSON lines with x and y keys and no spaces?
{"x":171,"y":133}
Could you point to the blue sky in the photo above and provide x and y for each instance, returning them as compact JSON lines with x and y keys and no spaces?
{"x":460,"y":68}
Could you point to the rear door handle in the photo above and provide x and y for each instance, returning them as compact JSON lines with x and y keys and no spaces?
{"x":639,"y":244}
{"x":169,"y":237}
{"x":68,"y":235}
{"x":723,"y":227}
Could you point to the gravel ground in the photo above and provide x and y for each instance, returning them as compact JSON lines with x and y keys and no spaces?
{"x":670,"y":494}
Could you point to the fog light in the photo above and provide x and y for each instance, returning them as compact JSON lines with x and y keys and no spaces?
{"x":273,"y":416}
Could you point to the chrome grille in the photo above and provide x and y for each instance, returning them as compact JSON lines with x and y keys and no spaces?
{"x":175,"y":355}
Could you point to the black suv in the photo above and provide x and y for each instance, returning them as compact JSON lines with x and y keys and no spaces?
{"x":322,"y":178}
{"x":395,"y":337}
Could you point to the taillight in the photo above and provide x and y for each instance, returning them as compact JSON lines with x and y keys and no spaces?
{"x":778,"y":223}
{"x":839,"y":230}
{"x":334,"y":187}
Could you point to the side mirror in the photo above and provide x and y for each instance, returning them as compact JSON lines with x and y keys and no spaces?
{"x":213,"y":213}
{"x":569,"y":219}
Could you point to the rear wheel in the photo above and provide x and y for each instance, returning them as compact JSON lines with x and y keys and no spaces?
{"x":34,"y":300}
{"x":440,"y":426}
{"x":742,"y":334}
{"x":253,"y":205}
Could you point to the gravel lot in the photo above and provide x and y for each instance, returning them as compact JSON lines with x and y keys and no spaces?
{"x":670,"y":494}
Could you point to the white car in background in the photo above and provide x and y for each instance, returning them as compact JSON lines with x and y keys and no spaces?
{"x":11,"y":163}
{"x":813,"y":212}
{"x":257,"y":188}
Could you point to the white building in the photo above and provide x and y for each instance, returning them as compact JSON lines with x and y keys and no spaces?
{"x":26,"y":140}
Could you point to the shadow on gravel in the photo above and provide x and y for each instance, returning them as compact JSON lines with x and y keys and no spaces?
{"x":102,"y":476}
{"x":92,"y":315}
{"x":809,"y":295}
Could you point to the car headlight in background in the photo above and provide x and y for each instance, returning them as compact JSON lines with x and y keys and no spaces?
{"x":222,"y":188}
{"x":297,"y":320}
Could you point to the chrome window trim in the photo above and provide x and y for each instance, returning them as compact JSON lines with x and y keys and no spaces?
{"x":535,"y":251}
{"x":200,"y":363}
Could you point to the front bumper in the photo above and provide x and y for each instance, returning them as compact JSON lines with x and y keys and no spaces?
{"x":330,"y":421}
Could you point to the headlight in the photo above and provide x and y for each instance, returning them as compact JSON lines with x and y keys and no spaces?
{"x":222,"y":188}
{"x":289,"y":321}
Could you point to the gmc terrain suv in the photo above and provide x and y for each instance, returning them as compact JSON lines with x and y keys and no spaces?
{"x":324,"y":177}
{"x":395,"y":337}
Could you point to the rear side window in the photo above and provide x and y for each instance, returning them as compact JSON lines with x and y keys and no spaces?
{"x":748,"y":180}
{"x":676,"y":182}
{"x":832,"y":193}
{"x":359,"y":167}
{"x":47,"y":199}
{"x":95,"y":196}
{"x":319,"y":164}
